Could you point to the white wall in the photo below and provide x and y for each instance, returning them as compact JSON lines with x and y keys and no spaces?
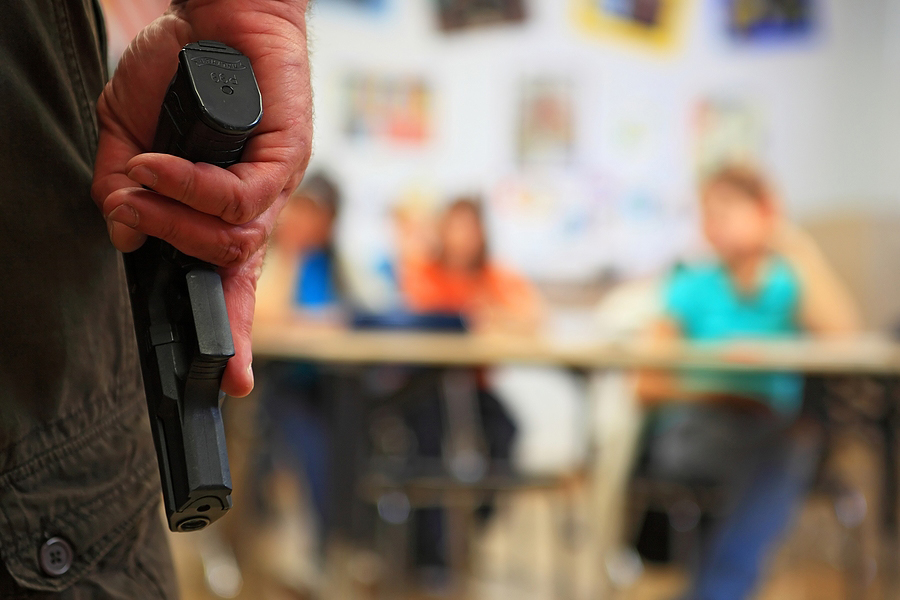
{"x":828,"y":105}
{"x":888,"y":110}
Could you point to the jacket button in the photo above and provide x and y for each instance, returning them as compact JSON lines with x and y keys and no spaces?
{"x":56,"y":556}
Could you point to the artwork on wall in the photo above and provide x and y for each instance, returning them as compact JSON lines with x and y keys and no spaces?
{"x":770,"y":20}
{"x":651,"y":23}
{"x":546,"y":130}
{"x":454,"y":15}
{"x":726,"y":131}
{"x":365,"y":5}
{"x":545,"y":225}
{"x":393,"y":109}
{"x":634,"y":131}
{"x":568,"y":226}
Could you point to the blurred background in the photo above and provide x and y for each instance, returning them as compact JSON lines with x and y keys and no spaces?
{"x":562,"y":147}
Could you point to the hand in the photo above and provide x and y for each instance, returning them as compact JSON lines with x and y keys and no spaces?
{"x":221,"y":216}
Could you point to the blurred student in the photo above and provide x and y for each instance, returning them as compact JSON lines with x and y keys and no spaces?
{"x":742,"y":431}
{"x":301,"y":276}
{"x":301,"y":281}
{"x":451,"y":272}
{"x":456,"y":275}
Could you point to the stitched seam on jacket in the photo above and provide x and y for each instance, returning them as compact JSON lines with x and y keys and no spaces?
{"x":67,"y":39}
{"x":71,"y":519}
{"x":77,"y":442}
{"x":34,"y":465}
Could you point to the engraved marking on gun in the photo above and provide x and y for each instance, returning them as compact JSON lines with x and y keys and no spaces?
{"x":223,"y":78}
{"x":203,"y":61}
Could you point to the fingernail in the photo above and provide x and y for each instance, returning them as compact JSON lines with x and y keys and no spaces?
{"x":250,"y":375}
{"x":142,"y":175}
{"x":124,"y":214}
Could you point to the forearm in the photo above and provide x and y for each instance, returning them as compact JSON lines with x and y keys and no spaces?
{"x":654,"y":388}
{"x":826,"y":306}
{"x":658,"y":388}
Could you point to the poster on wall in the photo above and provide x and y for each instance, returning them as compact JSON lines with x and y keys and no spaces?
{"x":546,"y":130}
{"x":653,"y":24}
{"x":393,"y":109}
{"x":770,"y":20}
{"x":455,"y":15}
{"x":372,"y":6}
{"x":579,"y":227}
{"x":727,"y":131}
{"x":547,"y":226}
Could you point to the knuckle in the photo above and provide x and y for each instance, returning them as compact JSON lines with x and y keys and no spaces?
{"x":239,"y":246}
{"x":237,"y":211}
{"x":231,"y":252}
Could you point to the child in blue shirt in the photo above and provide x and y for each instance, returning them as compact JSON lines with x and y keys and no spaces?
{"x":302,"y":275}
{"x":302,"y":281}
{"x":740,"y":430}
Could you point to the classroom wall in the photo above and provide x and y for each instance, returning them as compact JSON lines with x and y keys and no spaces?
{"x":888,"y":111}
{"x":825,"y":104}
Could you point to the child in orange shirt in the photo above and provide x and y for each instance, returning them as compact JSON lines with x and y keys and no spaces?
{"x":458,"y":277}
{"x":452,"y":274}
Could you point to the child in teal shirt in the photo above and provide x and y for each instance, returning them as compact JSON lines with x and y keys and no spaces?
{"x":740,"y":430}
{"x":707,"y":306}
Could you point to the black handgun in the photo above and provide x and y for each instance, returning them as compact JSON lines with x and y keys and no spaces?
{"x":210,"y":109}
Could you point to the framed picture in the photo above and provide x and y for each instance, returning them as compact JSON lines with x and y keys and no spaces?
{"x":454,"y":15}
{"x":645,"y":13}
{"x":374,"y":6}
{"x":727,"y":131}
{"x":770,"y":20}
{"x":652,"y":23}
{"x":387,"y":108}
{"x":546,"y":132}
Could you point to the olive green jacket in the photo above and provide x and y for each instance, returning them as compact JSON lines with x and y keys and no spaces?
{"x":76,"y":459}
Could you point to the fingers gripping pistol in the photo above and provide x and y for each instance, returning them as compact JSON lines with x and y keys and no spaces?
{"x":210,"y":109}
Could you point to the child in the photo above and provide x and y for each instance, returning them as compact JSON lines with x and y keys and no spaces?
{"x":457,"y":276}
{"x":741,"y":430}
{"x":301,"y":276}
{"x":451,"y":273}
{"x":301,"y":280}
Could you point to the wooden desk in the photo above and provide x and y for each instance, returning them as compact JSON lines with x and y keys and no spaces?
{"x":866,"y":356}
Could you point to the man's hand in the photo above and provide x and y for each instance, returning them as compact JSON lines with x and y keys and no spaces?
{"x":218,"y":215}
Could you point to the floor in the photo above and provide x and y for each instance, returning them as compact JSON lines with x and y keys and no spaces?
{"x":512,"y":559}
